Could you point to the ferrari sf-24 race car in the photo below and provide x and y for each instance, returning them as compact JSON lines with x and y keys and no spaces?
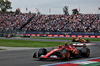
{"x":75,"y":39}
{"x":63,"y":52}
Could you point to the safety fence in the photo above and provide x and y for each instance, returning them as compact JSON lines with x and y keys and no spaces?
{"x":64,"y":34}
{"x":51,"y":34}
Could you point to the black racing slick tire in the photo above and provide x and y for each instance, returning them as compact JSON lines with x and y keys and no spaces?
{"x":66,"y":55}
{"x":87,"y":41}
{"x":85,"y":52}
{"x":73,"y":40}
{"x":42,"y":51}
{"x":34,"y":55}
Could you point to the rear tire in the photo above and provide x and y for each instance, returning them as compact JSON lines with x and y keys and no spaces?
{"x":73,"y":40}
{"x":87,"y":41}
{"x":66,"y":55}
{"x":85,"y":52}
{"x":80,"y":41}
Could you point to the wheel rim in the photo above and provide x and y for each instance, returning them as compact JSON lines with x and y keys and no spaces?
{"x":63,"y":56}
{"x":68,"y":54}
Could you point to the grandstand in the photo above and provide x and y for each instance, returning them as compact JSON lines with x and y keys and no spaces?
{"x":54,"y":24}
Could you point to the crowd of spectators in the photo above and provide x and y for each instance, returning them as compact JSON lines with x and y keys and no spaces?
{"x":55,"y":23}
{"x":65,"y":23}
{"x":13,"y":21}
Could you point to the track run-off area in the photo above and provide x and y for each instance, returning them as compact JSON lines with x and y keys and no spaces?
{"x":23,"y":56}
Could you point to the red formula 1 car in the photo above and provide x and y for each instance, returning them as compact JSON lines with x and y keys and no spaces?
{"x":63,"y":52}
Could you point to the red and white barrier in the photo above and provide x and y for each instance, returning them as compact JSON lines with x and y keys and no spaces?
{"x":38,"y":34}
{"x":55,"y":35}
{"x":67,"y":35}
{"x":86,"y":62}
{"x":79,"y":36}
{"x":61,"y":35}
{"x":33,"y":34}
{"x":86,"y":36}
{"x":73,"y":36}
{"x":92,"y":36}
{"x":49,"y":35}
{"x":98,"y":36}
{"x":28,"y":34}
{"x":44,"y":34}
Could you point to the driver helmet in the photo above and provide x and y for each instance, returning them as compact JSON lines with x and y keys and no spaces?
{"x":66,"y":44}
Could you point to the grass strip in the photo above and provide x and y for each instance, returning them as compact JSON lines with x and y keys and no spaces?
{"x":29,"y":43}
{"x":59,"y":38}
{"x":2,"y":49}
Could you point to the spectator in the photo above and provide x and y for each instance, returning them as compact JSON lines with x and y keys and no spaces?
{"x":65,"y":23}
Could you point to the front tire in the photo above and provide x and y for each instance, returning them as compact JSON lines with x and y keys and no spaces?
{"x":34,"y":55}
{"x":42,"y":51}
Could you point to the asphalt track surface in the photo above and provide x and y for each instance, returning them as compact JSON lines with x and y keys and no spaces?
{"x":23,"y":57}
